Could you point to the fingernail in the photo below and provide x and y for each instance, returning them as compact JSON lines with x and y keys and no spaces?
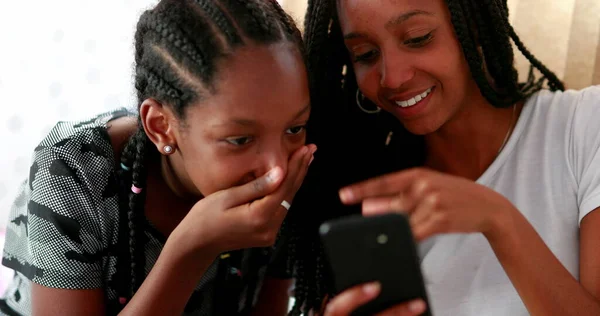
{"x":371,"y":289}
{"x":311,"y":160}
{"x":417,"y":306}
{"x":329,"y":309}
{"x":346,"y":195}
{"x":274,"y":175}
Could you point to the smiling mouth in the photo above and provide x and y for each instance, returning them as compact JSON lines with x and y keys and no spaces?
{"x":414,"y":100}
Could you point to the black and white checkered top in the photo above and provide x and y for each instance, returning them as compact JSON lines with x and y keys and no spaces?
{"x":63,"y":229}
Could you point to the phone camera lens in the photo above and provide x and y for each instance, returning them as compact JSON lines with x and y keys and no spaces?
{"x":382,"y":239}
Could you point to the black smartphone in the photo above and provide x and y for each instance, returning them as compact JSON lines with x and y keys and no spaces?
{"x":376,"y":248}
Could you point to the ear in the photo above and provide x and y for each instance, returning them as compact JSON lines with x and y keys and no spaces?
{"x":159,"y":124}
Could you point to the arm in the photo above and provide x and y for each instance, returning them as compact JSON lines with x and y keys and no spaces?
{"x":165,"y":291}
{"x":274,"y":298}
{"x":171,"y":282}
{"x":545,"y":286}
{"x":52,"y":301}
{"x":543,"y":283}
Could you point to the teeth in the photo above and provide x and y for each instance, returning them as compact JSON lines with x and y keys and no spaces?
{"x":414,"y":100}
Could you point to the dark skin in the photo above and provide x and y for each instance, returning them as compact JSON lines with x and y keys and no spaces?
{"x":463,"y":134}
{"x":253,"y":138}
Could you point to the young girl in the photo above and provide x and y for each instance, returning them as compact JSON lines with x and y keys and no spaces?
{"x":173,"y":211}
{"x":506,"y":195}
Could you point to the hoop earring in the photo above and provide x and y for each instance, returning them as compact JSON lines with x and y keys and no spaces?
{"x":360,"y":96}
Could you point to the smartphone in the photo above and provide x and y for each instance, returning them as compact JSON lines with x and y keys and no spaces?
{"x":375,"y":248}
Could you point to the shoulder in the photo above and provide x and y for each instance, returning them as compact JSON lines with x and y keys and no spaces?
{"x":586,"y":99}
{"x":73,"y":169}
{"x":565,"y":110}
{"x":67,"y":212}
{"x":79,"y":149}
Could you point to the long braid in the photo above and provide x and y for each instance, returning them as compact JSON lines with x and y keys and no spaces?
{"x":494,"y":32}
{"x":194,"y":35}
{"x":461,"y":15}
{"x":138,"y":146}
{"x":553,"y":81}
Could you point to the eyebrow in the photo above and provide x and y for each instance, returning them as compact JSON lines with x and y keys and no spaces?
{"x":246,"y":122}
{"x":392,"y":22}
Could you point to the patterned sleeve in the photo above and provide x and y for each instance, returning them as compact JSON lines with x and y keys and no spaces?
{"x":55,"y":234}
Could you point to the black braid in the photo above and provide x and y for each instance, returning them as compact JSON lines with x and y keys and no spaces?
{"x":221,"y":21}
{"x":553,"y":82}
{"x":194,"y":35}
{"x":484,"y":32}
{"x":489,"y":18}
{"x":136,"y":149}
{"x":461,"y":15}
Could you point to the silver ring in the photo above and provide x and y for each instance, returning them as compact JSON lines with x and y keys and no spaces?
{"x":286,"y":205}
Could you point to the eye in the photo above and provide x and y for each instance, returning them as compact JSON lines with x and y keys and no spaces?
{"x":366,"y":57}
{"x":420,"y":41}
{"x":239,"y":141}
{"x":296,"y":130}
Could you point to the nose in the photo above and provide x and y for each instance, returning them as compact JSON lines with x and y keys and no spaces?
{"x":395,"y":70}
{"x":272,"y":156}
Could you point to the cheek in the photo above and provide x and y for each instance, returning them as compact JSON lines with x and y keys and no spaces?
{"x":209,"y":170}
{"x":452,"y":65}
{"x":367,"y":78}
{"x":217,"y":173}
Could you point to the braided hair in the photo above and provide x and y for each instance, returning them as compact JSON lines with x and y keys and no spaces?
{"x":484,"y":32}
{"x":178,"y":47}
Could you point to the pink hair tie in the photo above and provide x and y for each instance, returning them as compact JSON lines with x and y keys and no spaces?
{"x":122,"y":300}
{"x":135,"y":189}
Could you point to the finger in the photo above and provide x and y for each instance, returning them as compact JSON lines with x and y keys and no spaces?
{"x":351,"y":299}
{"x":381,"y":186}
{"x":381,"y":205}
{"x":298,"y":167}
{"x":303,"y":168}
{"x":412,"y":308}
{"x":424,"y":210}
{"x":252,"y":190}
{"x":271,"y":206}
{"x":427,"y":228}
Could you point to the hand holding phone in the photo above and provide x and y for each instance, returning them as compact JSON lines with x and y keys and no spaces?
{"x":379,"y":248}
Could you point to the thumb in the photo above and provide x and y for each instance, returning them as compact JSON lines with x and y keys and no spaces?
{"x":254,"y":189}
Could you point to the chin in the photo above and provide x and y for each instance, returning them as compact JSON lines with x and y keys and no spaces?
{"x":420,"y":128}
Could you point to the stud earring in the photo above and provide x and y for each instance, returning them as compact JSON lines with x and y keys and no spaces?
{"x":168,"y":149}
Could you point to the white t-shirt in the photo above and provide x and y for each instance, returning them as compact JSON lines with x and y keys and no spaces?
{"x":550,"y":170}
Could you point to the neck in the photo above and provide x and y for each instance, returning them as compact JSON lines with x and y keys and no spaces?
{"x":166,"y":202}
{"x":468,"y":144}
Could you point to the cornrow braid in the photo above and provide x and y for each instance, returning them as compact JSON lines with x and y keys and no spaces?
{"x":179,"y":45}
{"x":221,"y":21}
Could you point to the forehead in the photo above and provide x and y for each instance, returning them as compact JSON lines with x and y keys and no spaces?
{"x":258,"y":79}
{"x":372,"y":11}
